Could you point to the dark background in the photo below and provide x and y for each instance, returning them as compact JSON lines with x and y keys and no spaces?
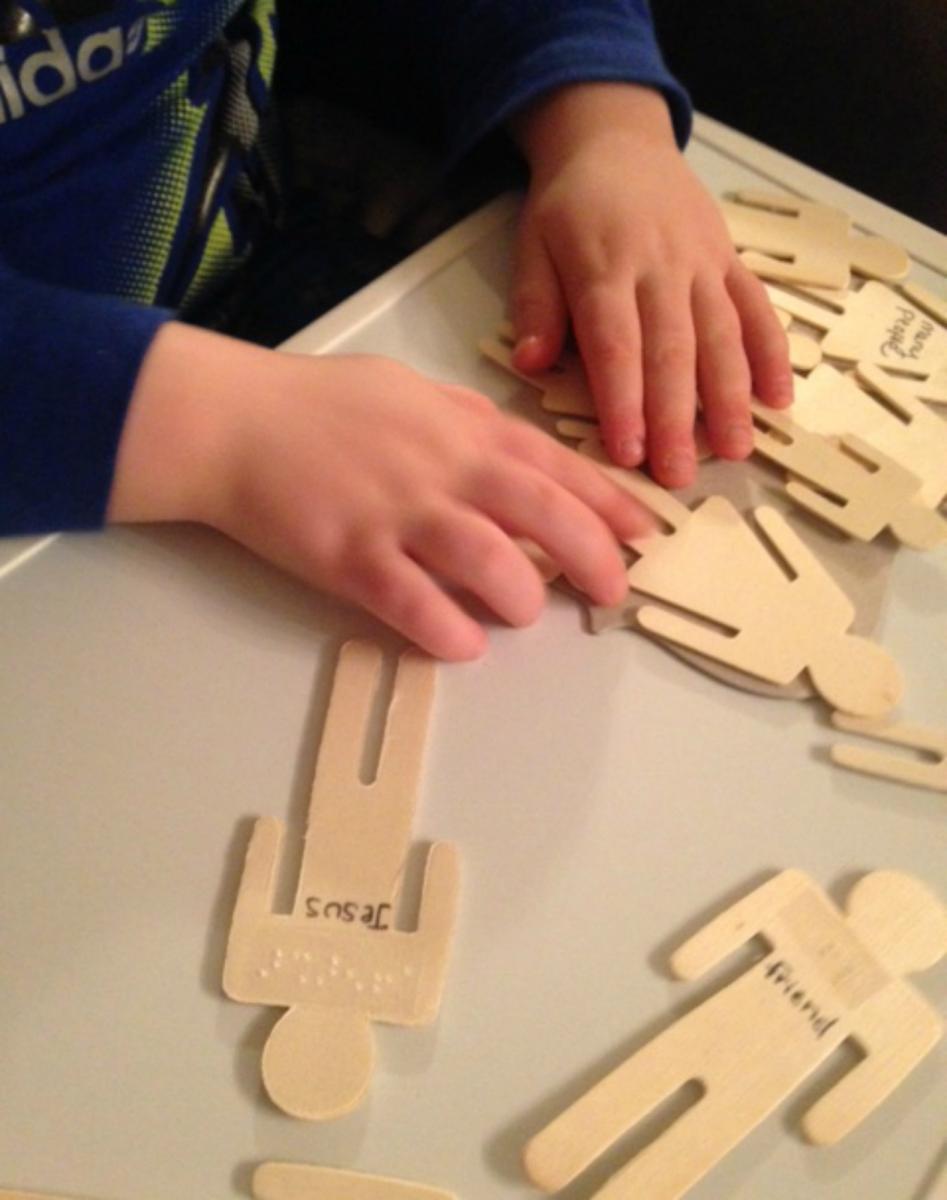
{"x":854,"y":88}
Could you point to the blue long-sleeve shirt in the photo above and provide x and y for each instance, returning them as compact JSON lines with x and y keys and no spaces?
{"x":132,"y":178}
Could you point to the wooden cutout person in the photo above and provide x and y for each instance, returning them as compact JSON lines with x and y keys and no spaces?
{"x":714,"y":566}
{"x":296,"y":1181}
{"x":930,"y":774}
{"x":827,"y":978}
{"x":873,"y":325}
{"x":881,"y":410}
{"x":796,"y":241}
{"x":857,"y":489}
{"x":337,"y":962}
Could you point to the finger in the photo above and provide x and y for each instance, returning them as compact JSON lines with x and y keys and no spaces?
{"x":621,"y":512}
{"x":539,"y":308}
{"x":765,"y":341}
{"x":723,"y":375}
{"x":403,"y":595}
{"x":526,"y":502}
{"x":670,"y":378}
{"x":605,"y":319}
{"x":467,"y":549}
{"x":472,"y":400}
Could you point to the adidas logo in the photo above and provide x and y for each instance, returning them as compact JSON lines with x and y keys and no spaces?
{"x":48,"y":75}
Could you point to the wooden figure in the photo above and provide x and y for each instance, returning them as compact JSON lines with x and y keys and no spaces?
{"x":795,"y":241}
{"x":879,"y":409}
{"x":857,"y":489}
{"x":336,"y":961}
{"x":859,"y":569}
{"x":295,"y":1181}
{"x":827,"y":978}
{"x":873,"y":325}
{"x":768,"y":624}
{"x":931,"y":774}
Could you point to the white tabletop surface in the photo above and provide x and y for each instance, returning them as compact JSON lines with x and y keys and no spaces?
{"x":160,"y":688}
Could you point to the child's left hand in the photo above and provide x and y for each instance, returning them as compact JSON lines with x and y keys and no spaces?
{"x":619,"y":236}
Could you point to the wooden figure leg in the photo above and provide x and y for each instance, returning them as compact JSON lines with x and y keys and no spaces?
{"x":358,"y":833}
{"x":918,"y":773}
{"x":670,"y":1166}
{"x":570,"y":1143}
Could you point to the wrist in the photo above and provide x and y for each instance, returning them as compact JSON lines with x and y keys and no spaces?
{"x":553,"y":128}
{"x":171,"y":463}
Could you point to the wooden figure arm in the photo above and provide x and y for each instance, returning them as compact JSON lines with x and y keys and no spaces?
{"x":878,"y":258}
{"x":738,"y":924}
{"x":893,"y":392}
{"x":437,"y":918}
{"x":897,"y":1030}
{"x":258,"y":881}
{"x":780,"y":534}
{"x":803,"y":310}
{"x":930,"y":302}
{"x":684,"y":631}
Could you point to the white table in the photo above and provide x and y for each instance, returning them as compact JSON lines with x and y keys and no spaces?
{"x":161,"y":687}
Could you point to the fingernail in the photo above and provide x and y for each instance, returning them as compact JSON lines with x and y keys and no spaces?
{"x":678,"y":468}
{"x":527,"y":348}
{"x":738,"y":440}
{"x":630,"y":451}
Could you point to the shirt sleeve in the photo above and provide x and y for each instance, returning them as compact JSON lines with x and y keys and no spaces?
{"x":68,"y":363}
{"x":491,"y":57}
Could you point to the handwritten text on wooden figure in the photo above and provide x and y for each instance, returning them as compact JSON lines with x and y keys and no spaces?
{"x":874,"y":325}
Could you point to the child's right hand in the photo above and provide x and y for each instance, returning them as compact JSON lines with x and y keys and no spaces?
{"x":368,"y":480}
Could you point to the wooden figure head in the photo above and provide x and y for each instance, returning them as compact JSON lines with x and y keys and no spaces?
{"x":900,"y":919}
